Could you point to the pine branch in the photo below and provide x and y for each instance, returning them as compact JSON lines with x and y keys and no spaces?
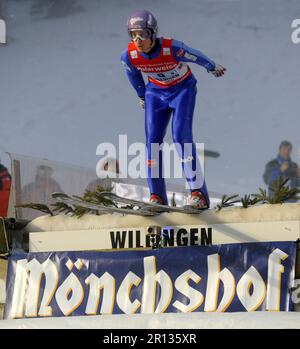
{"x":95,"y":197}
{"x":35,"y":206}
{"x":74,"y":210}
{"x":249,"y":200}
{"x":88,"y":197}
{"x":77,"y":210}
{"x":227,"y":201}
{"x":61,"y":207}
{"x":81,"y":211}
{"x":261,"y":196}
{"x":281,"y":192}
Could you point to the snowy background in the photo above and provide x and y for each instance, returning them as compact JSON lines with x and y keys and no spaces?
{"x":63,"y":89}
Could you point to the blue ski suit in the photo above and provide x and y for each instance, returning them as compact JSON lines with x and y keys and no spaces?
{"x":171,"y":90}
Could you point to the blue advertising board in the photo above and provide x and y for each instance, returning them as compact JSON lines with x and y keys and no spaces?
{"x":228,"y":277}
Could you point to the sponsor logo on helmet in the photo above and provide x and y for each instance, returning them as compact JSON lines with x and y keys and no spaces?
{"x":150,"y":18}
{"x":135,"y":19}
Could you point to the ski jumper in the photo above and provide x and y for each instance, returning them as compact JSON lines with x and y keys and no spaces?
{"x":171,"y":89}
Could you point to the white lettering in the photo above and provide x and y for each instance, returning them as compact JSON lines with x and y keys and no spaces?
{"x":137,"y":166}
{"x":213,"y":285}
{"x":69,"y":295}
{"x":107,"y":284}
{"x":2,"y":32}
{"x":156,"y":291}
{"x":20,"y":285}
{"x":149,"y":288}
{"x":182,"y":285}
{"x":123,"y":295}
{"x":296,"y":33}
{"x":296,"y":292}
{"x":27,"y":295}
{"x":107,"y":149}
{"x":275,"y":269}
{"x":251,"y":278}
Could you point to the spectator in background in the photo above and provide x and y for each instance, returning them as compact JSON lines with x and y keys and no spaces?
{"x":282,"y":166}
{"x":5,"y":183}
{"x":39,"y":191}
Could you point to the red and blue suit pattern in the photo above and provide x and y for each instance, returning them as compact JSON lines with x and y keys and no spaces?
{"x":171,"y":91}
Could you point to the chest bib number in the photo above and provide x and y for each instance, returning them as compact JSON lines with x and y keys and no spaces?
{"x":170,"y":75}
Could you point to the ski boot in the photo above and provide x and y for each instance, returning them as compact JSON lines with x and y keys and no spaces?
{"x":198,"y":200}
{"x":155,"y":199}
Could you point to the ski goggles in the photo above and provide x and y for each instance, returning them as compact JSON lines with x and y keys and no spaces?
{"x":142,"y":34}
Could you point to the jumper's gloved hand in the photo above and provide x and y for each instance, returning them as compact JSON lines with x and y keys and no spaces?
{"x":142,"y":102}
{"x":218,"y":71}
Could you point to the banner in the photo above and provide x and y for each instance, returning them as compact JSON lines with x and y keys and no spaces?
{"x":164,"y":236}
{"x":230,"y":277}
